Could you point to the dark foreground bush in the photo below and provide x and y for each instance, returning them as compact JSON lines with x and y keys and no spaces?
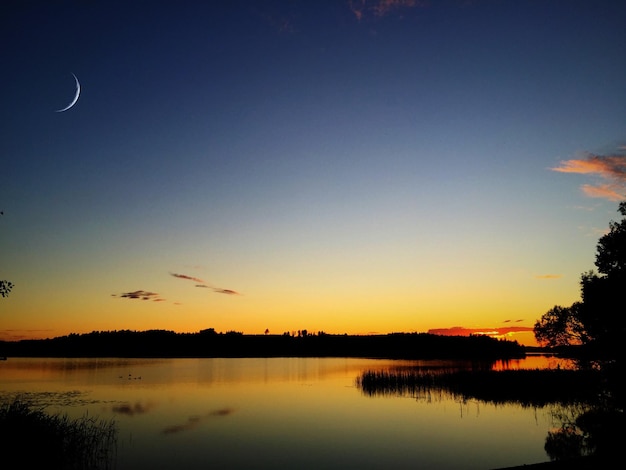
{"x":35,"y":439}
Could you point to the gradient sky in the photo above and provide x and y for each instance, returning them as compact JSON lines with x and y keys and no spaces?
{"x":350,"y":166}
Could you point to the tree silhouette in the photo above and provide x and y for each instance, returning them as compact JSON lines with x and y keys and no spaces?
{"x":561,"y":326}
{"x":5,"y":286}
{"x":599,"y":317}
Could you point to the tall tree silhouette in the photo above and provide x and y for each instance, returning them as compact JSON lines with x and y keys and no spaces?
{"x":602,"y":310}
{"x":599,"y":318}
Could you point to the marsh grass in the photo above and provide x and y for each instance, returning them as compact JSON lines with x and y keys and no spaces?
{"x":40,"y":440}
{"x":533,"y":388}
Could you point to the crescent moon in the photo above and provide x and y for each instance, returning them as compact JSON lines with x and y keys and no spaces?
{"x":75,"y":97}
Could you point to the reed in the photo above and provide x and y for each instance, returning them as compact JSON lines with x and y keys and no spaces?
{"x":52,"y":441}
{"x":525,"y":387}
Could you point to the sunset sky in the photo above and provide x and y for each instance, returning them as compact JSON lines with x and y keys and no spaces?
{"x":351,"y":166}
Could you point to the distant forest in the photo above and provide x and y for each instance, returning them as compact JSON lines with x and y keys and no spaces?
{"x":209,"y":343}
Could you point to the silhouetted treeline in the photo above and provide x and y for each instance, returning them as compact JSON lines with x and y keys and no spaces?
{"x":208,"y":343}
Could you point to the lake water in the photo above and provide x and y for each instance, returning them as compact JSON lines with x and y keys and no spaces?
{"x":279,"y":413}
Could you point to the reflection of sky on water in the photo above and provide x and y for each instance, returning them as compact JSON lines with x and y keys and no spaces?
{"x":535,"y":362}
{"x":281,"y":412}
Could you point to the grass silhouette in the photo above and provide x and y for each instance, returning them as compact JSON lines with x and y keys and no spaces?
{"x":526,"y":387}
{"x":41,"y":440}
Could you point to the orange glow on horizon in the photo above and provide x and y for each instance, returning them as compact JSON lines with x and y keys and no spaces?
{"x":524,"y":338}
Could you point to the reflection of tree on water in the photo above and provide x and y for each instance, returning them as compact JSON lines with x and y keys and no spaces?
{"x":583,"y":408}
{"x":594,"y":328}
{"x":570,"y":439}
{"x":593,"y":428}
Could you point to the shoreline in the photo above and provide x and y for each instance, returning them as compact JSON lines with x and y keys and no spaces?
{"x":591,"y":462}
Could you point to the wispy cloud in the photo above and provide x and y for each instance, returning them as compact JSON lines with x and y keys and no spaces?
{"x":218,"y":290}
{"x":548,"y":276}
{"x":17,"y":335}
{"x":203,"y":285}
{"x":604,"y":191}
{"x":610,"y":169}
{"x":186,"y":277}
{"x":226,"y":291}
{"x":156,"y":297}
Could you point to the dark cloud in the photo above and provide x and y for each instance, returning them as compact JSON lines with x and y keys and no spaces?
{"x":203,"y":285}
{"x":140,"y":294}
{"x":226,"y":291}
{"x":219,"y":290}
{"x":186,"y":277}
{"x":155,"y":297}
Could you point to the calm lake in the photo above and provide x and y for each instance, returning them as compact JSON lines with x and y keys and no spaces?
{"x":280,"y":413}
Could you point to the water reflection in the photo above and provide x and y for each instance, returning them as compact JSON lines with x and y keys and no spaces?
{"x":270,"y":413}
{"x":47,"y":399}
{"x":533,"y":388}
{"x":132,"y":409}
{"x":195,"y":421}
{"x":587,"y":416}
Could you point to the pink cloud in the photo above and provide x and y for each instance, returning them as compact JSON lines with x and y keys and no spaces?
{"x":17,"y":335}
{"x":610,"y":168}
{"x":463,"y":331}
{"x":603,"y":191}
{"x":613,"y":166}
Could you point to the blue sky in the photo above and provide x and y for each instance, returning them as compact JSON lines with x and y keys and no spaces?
{"x":346,"y":166}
